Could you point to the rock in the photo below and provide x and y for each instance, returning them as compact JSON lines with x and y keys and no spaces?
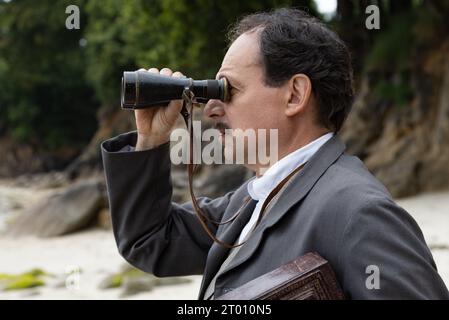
{"x":210,"y":181}
{"x":180,"y":184}
{"x":63,"y":212}
{"x":19,"y":158}
{"x":146,"y":282}
{"x":47,"y":180}
{"x":104,"y":219}
{"x":134,"y":281}
{"x":112,"y":122}
{"x":405,"y":146}
{"x":135,"y":285}
{"x":215,"y":181}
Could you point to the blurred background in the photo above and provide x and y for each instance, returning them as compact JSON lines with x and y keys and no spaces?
{"x":59,"y":98}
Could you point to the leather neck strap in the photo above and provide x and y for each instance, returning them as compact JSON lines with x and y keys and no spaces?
{"x":187,"y":114}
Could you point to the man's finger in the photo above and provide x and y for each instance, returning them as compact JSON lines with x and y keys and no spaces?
{"x":166,"y":71}
{"x":178,"y":74}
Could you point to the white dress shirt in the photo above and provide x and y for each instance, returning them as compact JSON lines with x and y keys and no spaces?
{"x":260,"y":187}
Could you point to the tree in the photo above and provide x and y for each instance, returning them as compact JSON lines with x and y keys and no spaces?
{"x":44,"y":97}
{"x":51,"y":87}
{"x":186,"y":35}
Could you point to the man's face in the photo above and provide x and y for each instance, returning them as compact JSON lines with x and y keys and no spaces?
{"x":253,"y":105}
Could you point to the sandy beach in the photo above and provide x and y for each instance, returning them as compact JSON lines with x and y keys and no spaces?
{"x":94,"y":253}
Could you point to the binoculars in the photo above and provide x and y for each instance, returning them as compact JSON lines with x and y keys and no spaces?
{"x":143,"y":89}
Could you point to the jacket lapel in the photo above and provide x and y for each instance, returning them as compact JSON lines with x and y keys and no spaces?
{"x":294,"y":191}
{"x":217,"y":253}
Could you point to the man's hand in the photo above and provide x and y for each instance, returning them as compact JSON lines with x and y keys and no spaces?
{"x":155,"y":124}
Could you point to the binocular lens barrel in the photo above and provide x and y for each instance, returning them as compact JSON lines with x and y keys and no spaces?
{"x":143,"y":89}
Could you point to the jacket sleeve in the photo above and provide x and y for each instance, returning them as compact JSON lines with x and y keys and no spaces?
{"x":153,"y":233}
{"x":385,"y":256}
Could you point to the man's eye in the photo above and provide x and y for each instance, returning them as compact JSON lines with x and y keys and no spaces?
{"x":232,"y":90}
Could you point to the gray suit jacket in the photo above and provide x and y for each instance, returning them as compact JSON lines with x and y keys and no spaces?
{"x":334,"y":206}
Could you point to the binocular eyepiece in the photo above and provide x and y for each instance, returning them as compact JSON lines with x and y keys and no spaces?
{"x":143,"y":89}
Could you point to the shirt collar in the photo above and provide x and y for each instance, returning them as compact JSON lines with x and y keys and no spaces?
{"x":260,"y":187}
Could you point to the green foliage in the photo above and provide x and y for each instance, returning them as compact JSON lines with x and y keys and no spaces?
{"x":185,"y":35}
{"x":116,"y":280}
{"x":398,"y":91}
{"x":397,"y":51}
{"x":430,"y":26}
{"x":392,"y":56}
{"x":402,"y":35}
{"x":148,"y":281}
{"x":51,"y":87}
{"x":21,"y":281}
{"x":392,"y":48}
{"x":43,"y":97}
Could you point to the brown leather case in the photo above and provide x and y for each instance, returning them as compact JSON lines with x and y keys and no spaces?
{"x":309,"y":277}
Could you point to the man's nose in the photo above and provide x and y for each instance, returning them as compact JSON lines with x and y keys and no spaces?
{"x":214,"y":109}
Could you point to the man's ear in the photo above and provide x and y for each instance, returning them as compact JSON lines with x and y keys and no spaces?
{"x":300,"y":89}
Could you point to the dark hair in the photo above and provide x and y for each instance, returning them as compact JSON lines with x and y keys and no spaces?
{"x":293,"y":42}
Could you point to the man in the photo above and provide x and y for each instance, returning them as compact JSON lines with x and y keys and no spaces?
{"x":290,"y":72}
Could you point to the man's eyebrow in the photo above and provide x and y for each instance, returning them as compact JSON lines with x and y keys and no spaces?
{"x":231,"y":79}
